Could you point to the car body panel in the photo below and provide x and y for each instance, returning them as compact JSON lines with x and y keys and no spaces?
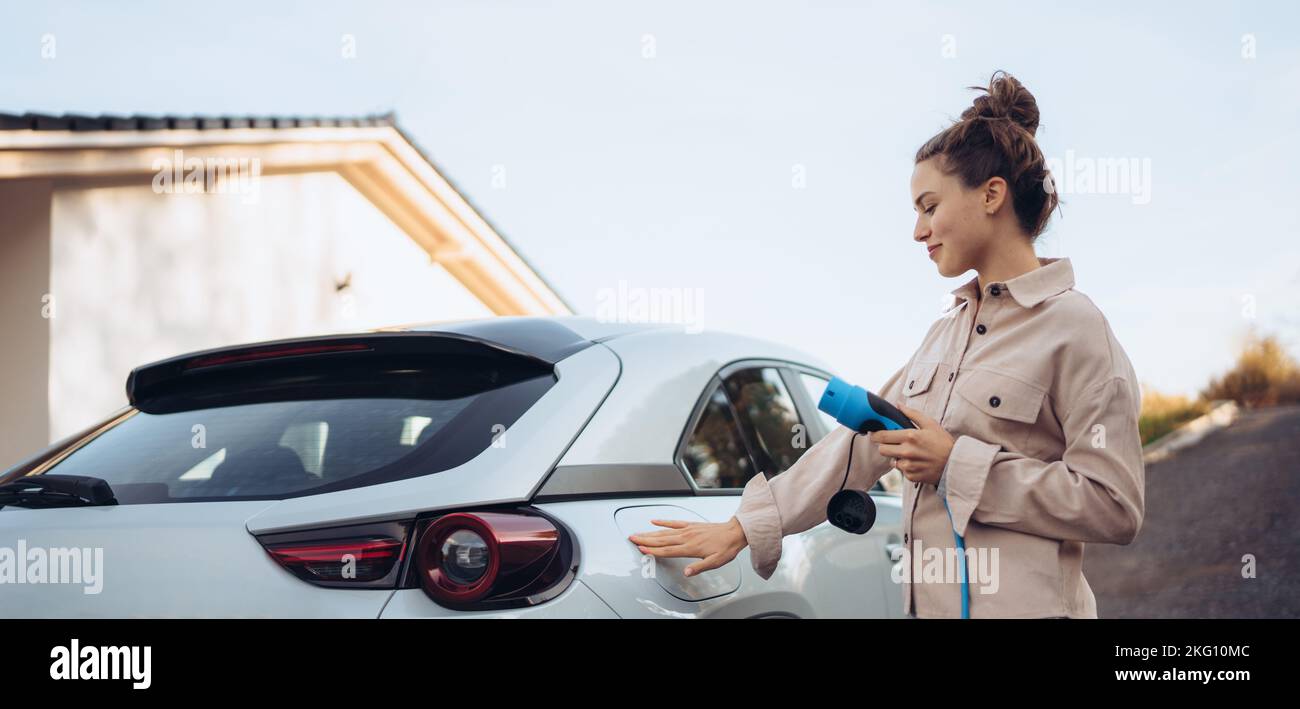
{"x":668,"y":573}
{"x":824,"y":572}
{"x":575,"y":602}
{"x":179,"y":560}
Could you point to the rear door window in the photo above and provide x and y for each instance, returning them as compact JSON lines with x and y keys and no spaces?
{"x":749,"y":424}
{"x":714,"y":455}
{"x":768,"y":418}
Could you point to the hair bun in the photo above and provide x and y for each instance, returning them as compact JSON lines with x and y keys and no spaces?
{"x":995,"y":138}
{"x":1005,"y":99}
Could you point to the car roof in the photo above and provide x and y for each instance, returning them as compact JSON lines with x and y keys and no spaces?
{"x":673,"y":341}
{"x":589,"y":328}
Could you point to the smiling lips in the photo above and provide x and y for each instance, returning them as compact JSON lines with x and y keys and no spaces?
{"x":931,"y":249}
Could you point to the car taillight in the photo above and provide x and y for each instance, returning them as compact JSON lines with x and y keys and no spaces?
{"x":474,"y":560}
{"x":342,"y":560}
{"x":483,"y":560}
{"x":360,"y":556}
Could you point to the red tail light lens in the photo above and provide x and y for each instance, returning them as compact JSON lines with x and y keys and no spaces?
{"x":483,"y":560}
{"x":343,"y":560}
{"x":361,"y":556}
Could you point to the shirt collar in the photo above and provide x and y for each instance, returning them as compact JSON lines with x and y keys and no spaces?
{"x":1053,"y":276}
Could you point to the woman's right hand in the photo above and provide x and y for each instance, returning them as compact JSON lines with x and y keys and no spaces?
{"x":712,"y":543}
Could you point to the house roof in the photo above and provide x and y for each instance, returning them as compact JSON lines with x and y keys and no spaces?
{"x":80,"y":123}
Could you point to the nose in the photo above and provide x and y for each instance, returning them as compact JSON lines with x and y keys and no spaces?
{"x":922,"y":230}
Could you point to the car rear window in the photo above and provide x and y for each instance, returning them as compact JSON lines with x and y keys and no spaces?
{"x":364,"y":431}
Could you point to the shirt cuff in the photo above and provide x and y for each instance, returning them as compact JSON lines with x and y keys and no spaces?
{"x":963,"y":477}
{"x":759,"y":517}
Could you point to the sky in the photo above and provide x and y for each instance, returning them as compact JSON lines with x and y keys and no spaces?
{"x":757,"y":156}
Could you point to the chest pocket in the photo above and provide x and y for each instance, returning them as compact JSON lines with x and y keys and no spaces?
{"x":917,"y":385}
{"x":1002,"y":408}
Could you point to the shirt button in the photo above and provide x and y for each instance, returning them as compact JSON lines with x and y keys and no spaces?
{"x":951,"y":375}
{"x":994,"y":290}
{"x":905,"y":539}
{"x":995,"y":402}
{"x":981,"y":329}
{"x":909,"y":384}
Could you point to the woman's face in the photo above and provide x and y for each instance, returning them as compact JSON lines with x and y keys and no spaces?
{"x":951,"y":221}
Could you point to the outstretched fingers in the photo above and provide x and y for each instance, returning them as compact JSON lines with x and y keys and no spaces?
{"x":661,"y":536}
{"x":662,"y":552}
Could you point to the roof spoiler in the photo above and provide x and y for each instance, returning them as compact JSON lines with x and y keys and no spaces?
{"x":283,"y":367}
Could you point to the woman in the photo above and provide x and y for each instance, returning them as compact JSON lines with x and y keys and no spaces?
{"x":1026,"y":407}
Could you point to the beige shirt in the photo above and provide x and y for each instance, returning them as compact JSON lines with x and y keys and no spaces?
{"x":1043,"y":404}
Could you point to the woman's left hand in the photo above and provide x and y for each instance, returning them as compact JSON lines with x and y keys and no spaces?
{"x":920,"y":453}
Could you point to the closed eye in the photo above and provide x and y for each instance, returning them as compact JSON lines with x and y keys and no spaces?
{"x":930,"y":209}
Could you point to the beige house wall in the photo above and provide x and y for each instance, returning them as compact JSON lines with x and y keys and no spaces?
{"x":139,"y":276}
{"x":24,"y":311}
{"x":343,"y":229}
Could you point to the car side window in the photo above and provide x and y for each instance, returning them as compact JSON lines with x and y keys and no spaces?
{"x":714,"y":455}
{"x":769,"y":421}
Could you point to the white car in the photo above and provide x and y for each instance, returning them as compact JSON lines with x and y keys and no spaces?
{"x":489,"y":468}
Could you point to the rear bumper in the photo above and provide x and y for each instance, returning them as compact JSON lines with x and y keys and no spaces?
{"x":577,"y":601}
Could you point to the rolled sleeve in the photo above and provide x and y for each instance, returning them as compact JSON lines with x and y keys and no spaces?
{"x":760,"y":517}
{"x":1094,"y":494}
{"x":968,"y":468}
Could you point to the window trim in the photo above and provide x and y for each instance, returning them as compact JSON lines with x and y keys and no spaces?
{"x":803,"y":400}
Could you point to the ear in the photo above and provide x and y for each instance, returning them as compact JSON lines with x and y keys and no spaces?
{"x":994,"y":195}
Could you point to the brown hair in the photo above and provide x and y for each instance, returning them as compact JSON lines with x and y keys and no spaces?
{"x":995,"y":137}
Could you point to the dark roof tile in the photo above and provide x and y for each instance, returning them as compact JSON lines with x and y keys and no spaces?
{"x":42,"y":122}
{"x":82,"y":123}
{"x":122,"y":123}
{"x":78,"y":122}
{"x":9,"y":121}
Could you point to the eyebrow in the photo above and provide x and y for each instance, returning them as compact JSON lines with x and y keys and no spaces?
{"x":917,"y":201}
